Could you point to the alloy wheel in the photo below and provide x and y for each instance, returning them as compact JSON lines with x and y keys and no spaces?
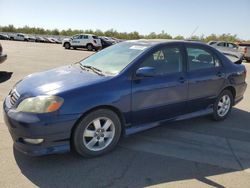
{"x":98,"y":134}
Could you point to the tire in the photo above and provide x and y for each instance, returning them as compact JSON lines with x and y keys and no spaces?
{"x":97,"y":133}
{"x":90,"y":47}
{"x":67,"y":45}
{"x":223,"y":105}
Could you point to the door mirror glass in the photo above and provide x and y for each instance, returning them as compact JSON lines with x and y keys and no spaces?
{"x":145,"y":72}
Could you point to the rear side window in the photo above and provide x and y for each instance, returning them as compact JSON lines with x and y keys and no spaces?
{"x":222,"y":44}
{"x":167,"y":60}
{"x":95,"y":37}
{"x":199,"y":58}
{"x":85,"y":36}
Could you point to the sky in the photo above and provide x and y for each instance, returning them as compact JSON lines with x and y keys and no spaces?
{"x":176,"y":17}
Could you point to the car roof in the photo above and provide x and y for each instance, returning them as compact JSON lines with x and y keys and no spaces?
{"x":85,"y":34}
{"x":153,"y":42}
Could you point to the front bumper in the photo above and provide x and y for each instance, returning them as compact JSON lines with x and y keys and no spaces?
{"x":53,"y":128}
{"x":3,"y":57}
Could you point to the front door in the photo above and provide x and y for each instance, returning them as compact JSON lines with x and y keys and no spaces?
{"x":76,"y":41}
{"x":162,"y":96}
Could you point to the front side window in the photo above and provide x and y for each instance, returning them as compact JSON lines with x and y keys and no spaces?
{"x":167,"y":60}
{"x":85,"y":36}
{"x":199,"y":58}
{"x":76,"y":36}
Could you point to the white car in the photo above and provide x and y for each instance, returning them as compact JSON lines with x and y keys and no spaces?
{"x":19,"y":36}
{"x":227,"y":48}
{"x":22,"y":37}
{"x":89,"y":41}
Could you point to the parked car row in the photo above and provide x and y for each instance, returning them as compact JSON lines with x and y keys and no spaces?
{"x":29,"y":38}
{"x":89,"y":41}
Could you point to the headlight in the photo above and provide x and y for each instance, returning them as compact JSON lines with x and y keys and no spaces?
{"x":40,"y":104}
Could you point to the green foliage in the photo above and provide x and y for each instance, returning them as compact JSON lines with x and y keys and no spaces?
{"x":114,"y":33}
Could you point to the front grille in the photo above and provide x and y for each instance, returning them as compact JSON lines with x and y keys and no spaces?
{"x":14,"y":96}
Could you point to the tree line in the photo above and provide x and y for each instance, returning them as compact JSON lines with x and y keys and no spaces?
{"x":116,"y":34}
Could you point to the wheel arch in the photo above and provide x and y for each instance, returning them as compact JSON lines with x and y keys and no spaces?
{"x":66,"y":43}
{"x":108,"y":107}
{"x":232,"y":89}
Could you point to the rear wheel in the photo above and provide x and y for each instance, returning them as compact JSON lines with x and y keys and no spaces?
{"x":223,"y":105}
{"x":67,"y":45}
{"x":90,"y":47}
{"x":97,"y":133}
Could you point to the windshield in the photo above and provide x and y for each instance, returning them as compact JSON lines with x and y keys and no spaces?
{"x":114,"y":59}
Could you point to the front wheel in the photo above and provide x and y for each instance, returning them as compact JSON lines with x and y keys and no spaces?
{"x":67,"y":45}
{"x":97,"y":133}
{"x":223,"y":105}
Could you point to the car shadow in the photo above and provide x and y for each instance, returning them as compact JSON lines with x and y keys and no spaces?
{"x":131,"y":166}
{"x":4,"y":76}
{"x":82,"y":49}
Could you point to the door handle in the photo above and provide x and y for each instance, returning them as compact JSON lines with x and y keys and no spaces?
{"x":220,"y":74}
{"x":181,"y":79}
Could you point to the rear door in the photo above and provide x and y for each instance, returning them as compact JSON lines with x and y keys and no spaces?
{"x":163,"y":95}
{"x":205,"y":77}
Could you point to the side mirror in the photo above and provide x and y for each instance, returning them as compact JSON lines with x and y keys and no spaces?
{"x":145,"y":72}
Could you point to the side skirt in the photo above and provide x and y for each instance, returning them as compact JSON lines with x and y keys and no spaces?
{"x":138,"y":128}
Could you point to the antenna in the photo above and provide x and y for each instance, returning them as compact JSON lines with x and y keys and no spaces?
{"x":194,"y":31}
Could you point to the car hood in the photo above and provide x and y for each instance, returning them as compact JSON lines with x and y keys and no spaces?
{"x":57,"y":80}
{"x":66,"y":39}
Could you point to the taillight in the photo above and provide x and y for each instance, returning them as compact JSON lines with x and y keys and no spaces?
{"x":245,"y":50}
{"x":94,"y":41}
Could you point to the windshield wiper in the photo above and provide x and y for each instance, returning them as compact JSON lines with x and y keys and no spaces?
{"x":95,"y":70}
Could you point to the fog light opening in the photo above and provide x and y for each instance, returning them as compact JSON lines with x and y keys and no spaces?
{"x":33,"y":141}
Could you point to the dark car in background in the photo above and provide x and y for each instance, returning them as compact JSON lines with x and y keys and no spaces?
{"x":40,"y":39}
{"x":105,"y":43}
{"x":123,"y":89}
{"x":3,"y":57}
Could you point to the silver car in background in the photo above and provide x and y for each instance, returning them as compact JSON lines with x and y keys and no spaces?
{"x":229,"y":49}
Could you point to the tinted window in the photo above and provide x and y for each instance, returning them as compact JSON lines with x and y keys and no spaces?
{"x":165,"y":61}
{"x":76,"y":37}
{"x":85,"y":36}
{"x":244,"y":44}
{"x":231,"y":45}
{"x":223,"y":44}
{"x":95,"y":37}
{"x":199,"y":58}
{"x":211,"y":43}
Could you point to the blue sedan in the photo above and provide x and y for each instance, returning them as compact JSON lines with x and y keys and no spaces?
{"x":126,"y":88}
